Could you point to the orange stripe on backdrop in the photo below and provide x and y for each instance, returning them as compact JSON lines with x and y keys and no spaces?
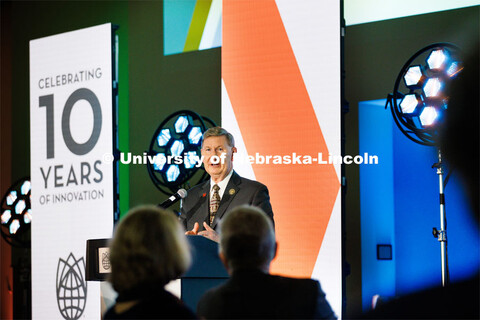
{"x":276,"y":117}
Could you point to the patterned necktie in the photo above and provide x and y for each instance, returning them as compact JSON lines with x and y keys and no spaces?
{"x":214,"y":202}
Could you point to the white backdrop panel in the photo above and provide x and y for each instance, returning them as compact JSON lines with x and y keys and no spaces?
{"x":72,"y":187}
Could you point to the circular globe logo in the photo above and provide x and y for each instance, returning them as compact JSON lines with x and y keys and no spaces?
{"x":106,"y":261}
{"x":71,"y":287}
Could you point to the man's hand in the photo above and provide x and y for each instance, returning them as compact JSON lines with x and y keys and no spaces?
{"x":208,"y":232}
{"x":194,"y":231}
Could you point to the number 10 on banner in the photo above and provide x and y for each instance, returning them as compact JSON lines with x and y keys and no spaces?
{"x":76,"y":148}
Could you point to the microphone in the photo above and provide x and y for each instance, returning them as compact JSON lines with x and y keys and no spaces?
{"x":180,"y":194}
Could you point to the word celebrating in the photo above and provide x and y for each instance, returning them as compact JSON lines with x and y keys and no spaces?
{"x":69,"y":78}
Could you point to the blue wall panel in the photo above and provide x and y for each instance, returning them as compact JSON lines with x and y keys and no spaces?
{"x":376,"y":200}
{"x":416,"y":213}
{"x":399,"y":202}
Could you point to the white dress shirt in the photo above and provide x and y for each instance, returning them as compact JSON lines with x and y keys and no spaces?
{"x":222,"y":184}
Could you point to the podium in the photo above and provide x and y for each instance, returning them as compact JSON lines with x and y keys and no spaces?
{"x":207,"y":270}
{"x":98,"y":260}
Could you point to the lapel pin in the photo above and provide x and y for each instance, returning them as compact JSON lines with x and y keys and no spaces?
{"x":231,"y":192}
{"x":204,"y":195}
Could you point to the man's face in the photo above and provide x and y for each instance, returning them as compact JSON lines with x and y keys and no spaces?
{"x":217,"y":146}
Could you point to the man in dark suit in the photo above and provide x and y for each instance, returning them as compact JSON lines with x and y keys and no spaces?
{"x":247,"y":246}
{"x":207,"y":202}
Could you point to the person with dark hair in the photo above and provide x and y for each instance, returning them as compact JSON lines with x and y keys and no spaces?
{"x":207,"y":202}
{"x":149,"y":248}
{"x":247,"y":246}
{"x":460,"y":135}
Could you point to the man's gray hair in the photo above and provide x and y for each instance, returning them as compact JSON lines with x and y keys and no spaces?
{"x":149,"y":246}
{"x":247,"y":238}
{"x":217,"y":132}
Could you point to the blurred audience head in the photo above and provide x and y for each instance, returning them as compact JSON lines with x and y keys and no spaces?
{"x":247,"y":239}
{"x":149,"y":246}
{"x":459,"y":137}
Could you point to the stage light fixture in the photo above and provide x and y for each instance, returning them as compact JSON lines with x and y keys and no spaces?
{"x":432,"y":87}
{"x":172,"y":173}
{"x":191,"y":159}
{"x":14,"y":226}
{"x":164,"y":137}
{"x":195,"y":135}
{"x":410,"y":102}
{"x":418,"y":104}
{"x":27,"y":216}
{"x":179,"y":135}
{"x":26,"y":186}
{"x":413,"y":76}
{"x":177,"y":148}
{"x":12,"y":196}
{"x":16,"y":214}
{"x":181,"y":124}
{"x":428,"y":116}
{"x":418,"y":100}
{"x":160,"y":160}
{"x":454,"y":69}
{"x":437,"y":59}
{"x":6,"y":215}
{"x":20,"y":207}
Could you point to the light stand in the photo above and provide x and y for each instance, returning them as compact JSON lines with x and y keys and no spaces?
{"x":441,"y":234}
{"x":418,"y":105}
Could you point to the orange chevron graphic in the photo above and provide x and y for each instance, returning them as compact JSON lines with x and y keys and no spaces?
{"x":276,"y":117}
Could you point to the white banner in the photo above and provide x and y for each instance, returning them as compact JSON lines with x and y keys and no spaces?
{"x":72,"y":187}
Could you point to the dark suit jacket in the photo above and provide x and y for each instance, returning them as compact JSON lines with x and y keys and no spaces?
{"x":252,"y":294}
{"x":239,"y":191}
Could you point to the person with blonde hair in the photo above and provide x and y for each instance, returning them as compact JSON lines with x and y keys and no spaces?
{"x":148,"y":250}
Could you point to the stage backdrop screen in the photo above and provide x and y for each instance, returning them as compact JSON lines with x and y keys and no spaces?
{"x":72,"y":184}
{"x":281,"y":100}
